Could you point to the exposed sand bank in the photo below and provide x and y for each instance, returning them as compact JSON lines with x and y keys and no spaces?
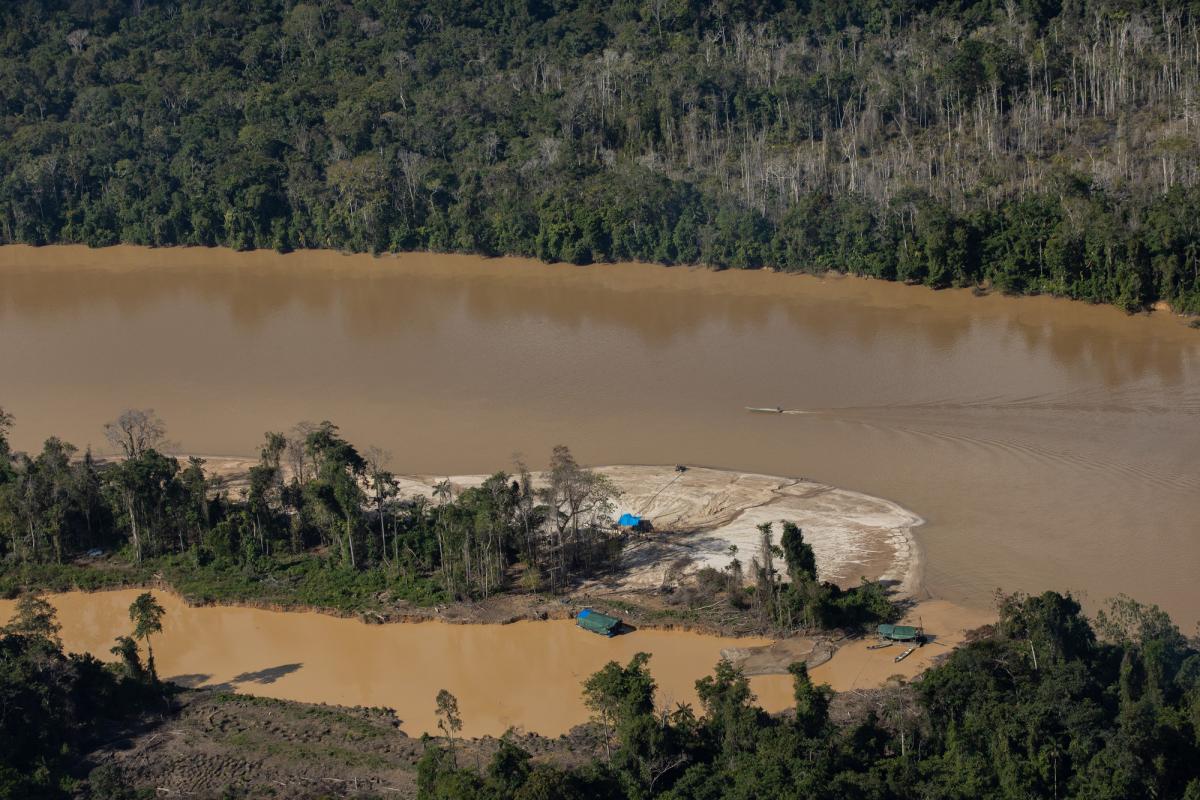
{"x":698,"y":514}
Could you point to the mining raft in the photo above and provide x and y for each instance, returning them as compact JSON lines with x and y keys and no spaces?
{"x":599,"y":623}
{"x":901,"y":633}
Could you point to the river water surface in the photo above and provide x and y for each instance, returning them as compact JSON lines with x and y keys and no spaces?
{"x":1048,"y":444}
{"x":527,"y":674}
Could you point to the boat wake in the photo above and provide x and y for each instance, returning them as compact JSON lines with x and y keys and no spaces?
{"x":777,"y":410}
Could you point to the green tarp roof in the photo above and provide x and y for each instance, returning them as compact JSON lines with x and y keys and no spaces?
{"x":901,"y":633}
{"x":595,"y":621}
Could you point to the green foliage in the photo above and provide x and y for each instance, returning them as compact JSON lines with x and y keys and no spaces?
{"x":34,"y":618}
{"x":328,"y":529}
{"x":1082,"y":720}
{"x":733,"y":134}
{"x":798,"y":554}
{"x":812,"y":702}
{"x":54,"y":705}
{"x":146,"y":615}
{"x":803,"y":601}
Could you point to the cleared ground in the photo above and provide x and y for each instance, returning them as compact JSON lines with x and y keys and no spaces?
{"x":216,"y":744}
{"x":698,"y":514}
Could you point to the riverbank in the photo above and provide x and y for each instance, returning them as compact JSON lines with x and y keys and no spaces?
{"x":1031,"y":433}
{"x":215,"y":742}
{"x":230,"y":628}
{"x":250,"y":643}
{"x":693,"y":515}
{"x":695,"y":519}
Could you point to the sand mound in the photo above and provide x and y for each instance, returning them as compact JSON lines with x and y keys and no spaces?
{"x":696,"y":516}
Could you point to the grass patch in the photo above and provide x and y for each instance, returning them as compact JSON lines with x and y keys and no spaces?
{"x":291,"y":581}
{"x":90,"y":577}
{"x":303,"y":751}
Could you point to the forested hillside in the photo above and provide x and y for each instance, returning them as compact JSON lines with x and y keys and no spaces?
{"x":1031,"y":146}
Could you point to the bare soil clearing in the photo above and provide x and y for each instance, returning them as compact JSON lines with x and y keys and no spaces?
{"x":216,"y":742}
{"x":696,"y":515}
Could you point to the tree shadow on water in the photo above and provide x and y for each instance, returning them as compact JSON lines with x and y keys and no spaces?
{"x":200,"y":680}
{"x":268,"y":675}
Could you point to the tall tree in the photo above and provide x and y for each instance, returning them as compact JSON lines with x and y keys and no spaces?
{"x":6,"y":423}
{"x":449,"y":719}
{"x":798,"y":554}
{"x":146,"y":614}
{"x":34,"y":617}
{"x":336,"y":486}
{"x":581,"y":502}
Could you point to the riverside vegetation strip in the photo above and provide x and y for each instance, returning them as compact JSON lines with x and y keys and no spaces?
{"x":318,"y":524}
{"x":1131,"y":692}
{"x":1110,"y":706}
{"x":918,"y":396}
{"x":1037,"y":147}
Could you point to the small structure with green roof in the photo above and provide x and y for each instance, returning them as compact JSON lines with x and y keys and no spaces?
{"x":900,"y":633}
{"x":599,"y":623}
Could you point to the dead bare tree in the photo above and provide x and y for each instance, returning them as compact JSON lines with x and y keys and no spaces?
{"x":580,"y":502}
{"x":136,"y":431}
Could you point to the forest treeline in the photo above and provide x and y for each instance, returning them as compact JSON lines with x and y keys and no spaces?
{"x":57,"y":705}
{"x":1042,"y":707}
{"x":1045,"y":704}
{"x":1040,"y":146}
{"x":316,"y":522}
{"x":311,"y":492}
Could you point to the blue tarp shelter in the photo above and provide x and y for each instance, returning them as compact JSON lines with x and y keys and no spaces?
{"x":629,"y":521}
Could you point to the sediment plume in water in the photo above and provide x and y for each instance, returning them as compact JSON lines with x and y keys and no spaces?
{"x":1048,"y":444}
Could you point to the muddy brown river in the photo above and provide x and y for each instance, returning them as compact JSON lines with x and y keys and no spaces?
{"x":527,"y":674}
{"x":1048,"y":444}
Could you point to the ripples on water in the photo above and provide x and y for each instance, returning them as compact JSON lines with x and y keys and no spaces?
{"x":1048,"y":444}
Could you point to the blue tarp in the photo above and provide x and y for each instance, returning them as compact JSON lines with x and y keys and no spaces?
{"x":629,"y":521}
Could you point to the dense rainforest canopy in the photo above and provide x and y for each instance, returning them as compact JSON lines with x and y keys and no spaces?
{"x":1031,"y":145}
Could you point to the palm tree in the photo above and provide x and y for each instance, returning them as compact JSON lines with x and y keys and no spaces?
{"x":146,"y":614}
